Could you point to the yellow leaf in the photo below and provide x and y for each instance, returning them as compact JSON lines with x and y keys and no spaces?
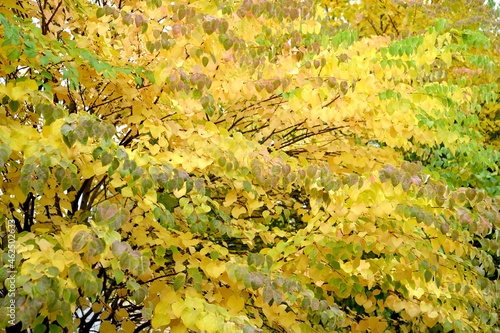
{"x":127,"y":192}
{"x":177,"y":308}
{"x":107,"y":327}
{"x":325,"y":227}
{"x":215,"y":270}
{"x":317,"y":28}
{"x":179,"y":328}
{"x":433,"y":314}
{"x":295,"y":103}
{"x":59,"y":261}
{"x":396,"y":242}
{"x":128,"y":326}
{"x":418,"y":293}
{"x":235,"y":86}
{"x":18,"y":139}
{"x":367,"y":305}
{"x":287,"y":319}
{"x":347,"y":267}
{"x":45,"y":246}
{"x":430,"y":322}
{"x":254,"y":204}
{"x":210,"y":323}
{"x":360,"y":299}
{"x":383,"y":209}
{"x":412,"y":309}
{"x":269,"y":312}
{"x":17,"y":93}
{"x":394,"y":303}
{"x":188,"y":316}
{"x":237,"y":211}
{"x":99,"y":169}
{"x":117,"y":182}
{"x":446,"y":56}
{"x":231,"y":198}
{"x":97,"y":307}
{"x":180,"y":193}
{"x":235,"y":304}
{"x":161,"y":315}
{"x":426,"y":307}
{"x":356,"y":210}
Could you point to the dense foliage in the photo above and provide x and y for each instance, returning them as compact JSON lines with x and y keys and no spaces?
{"x":229,"y":166}
{"x":476,"y":164}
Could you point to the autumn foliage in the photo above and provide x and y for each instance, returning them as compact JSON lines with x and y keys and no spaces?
{"x":249,"y":166}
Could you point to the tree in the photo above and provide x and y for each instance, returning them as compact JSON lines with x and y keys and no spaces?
{"x":477,"y":164}
{"x":226,"y":167}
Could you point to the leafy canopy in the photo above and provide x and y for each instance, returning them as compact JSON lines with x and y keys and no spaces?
{"x":476,"y":164}
{"x":219,"y":166}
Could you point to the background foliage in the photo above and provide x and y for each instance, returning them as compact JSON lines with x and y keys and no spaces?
{"x":227,"y":166}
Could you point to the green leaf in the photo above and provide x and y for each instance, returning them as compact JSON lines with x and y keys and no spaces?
{"x":228,"y":43}
{"x":256,"y":281}
{"x":204,"y":61}
{"x":79,"y":279}
{"x":46,"y":162}
{"x":204,"y":102}
{"x":40,"y":328}
{"x":90,"y":287}
{"x":139,"y":295}
{"x":306,"y":303}
{"x":121,"y":153}
{"x":100,"y":12}
{"x":447,"y":326}
{"x":14,"y":105}
{"x":44,"y":60}
{"x":120,"y":219}
{"x":30,"y":53}
{"x":96,"y":247}
{"x":25,"y":186}
{"x":106,"y":158}
{"x":132,"y":285}
{"x":61,"y":321}
{"x":240,"y":273}
{"x":55,"y":329}
{"x":428,"y":275}
{"x":221,"y":161}
{"x":39,"y":186}
{"x":167,"y":200}
{"x":267,"y":294}
{"x":179,"y":281}
{"x":42,"y":285}
{"x":66,"y":183}
{"x":14,"y":54}
{"x":335,"y":265}
{"x":70,"y":295}
{"x":249,"y":329}
{"x":197,"y":94}
{"x":54,"y":271}
{"x":80,"y":240}
{"x":118,"y":275}
{"x":105,"y":211}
